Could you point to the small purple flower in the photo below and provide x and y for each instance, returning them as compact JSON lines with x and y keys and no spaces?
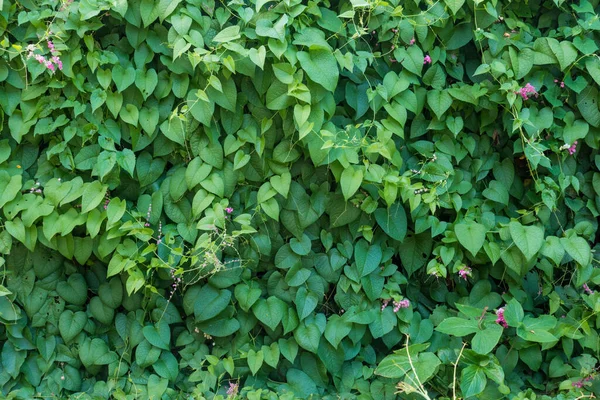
{"x":500,"y":320}
{"x":426,"y":60}
{"x":229,"y":210}
{"x":573,"y":148}
{"x":587,"y":289}
{"x":412,"y":41}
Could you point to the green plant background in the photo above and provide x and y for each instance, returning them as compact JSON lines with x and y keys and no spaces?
{"x":218,"y":193}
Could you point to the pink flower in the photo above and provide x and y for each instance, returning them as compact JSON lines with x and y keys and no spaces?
{"x":412,"y":41}
{"x":587,"y":289}
{"x":40,"y":58}
{"x":58,"y":62}
{"x":229,"y":210}
{"x":573,"y":148}
{"x":51,"y":47}
{"x":393,"y":60}
{"x":401,"y":304}
{"x":500,"y":320}
{"x":465,"y":272}
{"x":233,"y":389}
{"x":385,"y":304}
{"x":526,"y":90}
{"x":50,"y":66}
{"x":426,"y":60}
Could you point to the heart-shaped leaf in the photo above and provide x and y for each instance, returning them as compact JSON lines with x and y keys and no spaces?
{"x":71,"y":323}
{"x":158,"y":335}
{"x":73,"y":290}
{"x":123,"y":77}
{"x":148,"y":119}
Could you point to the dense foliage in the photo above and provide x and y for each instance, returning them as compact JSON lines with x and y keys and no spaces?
{"x":285,"y":199}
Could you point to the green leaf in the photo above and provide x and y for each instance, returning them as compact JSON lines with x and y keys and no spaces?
{"x":12,"y":359}
{"x":320,"y":66}
{"x":71,"y":323}
{"x":513,"y":313}
{"x":486,"y":340}
{"x":439,"y":101}
{"x":196,"y":172}
{"x":130,"y":114}
{"x":497,"y":192}
{"x":9,"y":187}
{"x":73,"y":290}
{"x":288,"y":348}
{"x":410,"y":58}
{"x":95,"y":352}
{"x":281,"y":183}
{"x":301,"y":247}
{"x":593,"y":67}
{"x":255,"y":360}
{"x":393,"y":221}
{"x":201,"y":110}
{"x":472,"y":381}
{"x":271,"y":354}
{"x":93,"y":194}
{"x":454,"y":5}
{"x":578,"y":248}
{"x":158,"y":335}
{"x":529,"y":239}
{"x":123,"y":77}
{"x":270,"y":311}
{"x":350,"y":181}
{"x":368,"y":258}
{"x":146,"y":81}
{"x":587,"y":103}
{"x":247,"y":294}
{"x":149,"y":13}
{"x":337,"y":329}
{"x":148,"y":119}
{"x":266,"y":28}
{"x":210,"y":302}
{"x":471,"y":236}
{"x":306,"y":302}
{"x":156,"y":386}
{"x":308,"y":337}
{"x":457,"y":326}
{"x":228,"y":34}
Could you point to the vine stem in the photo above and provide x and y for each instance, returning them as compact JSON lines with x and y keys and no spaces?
{"x":455,"y":368}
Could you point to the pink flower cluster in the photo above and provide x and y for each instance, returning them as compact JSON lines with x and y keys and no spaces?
{"x":587,"y":289}
{"x":426,"y":60}
{"x":573,"y":148}
{"x":579,"y":383}
{"x":405,"y":303}
{"x":50,"y":64}
{"x":229,"y":210}
{"x":465,"y":272}
{"x":412,"y":41}
{"x":233,"y":389}
{"x":500,"y":320}
{"x":527,"y":90}
{"x":385,"y":304}
{"x":401,"y":304}
{"x":562,"y":84}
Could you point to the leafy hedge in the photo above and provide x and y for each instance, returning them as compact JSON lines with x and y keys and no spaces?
{"x":284,"y":199}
